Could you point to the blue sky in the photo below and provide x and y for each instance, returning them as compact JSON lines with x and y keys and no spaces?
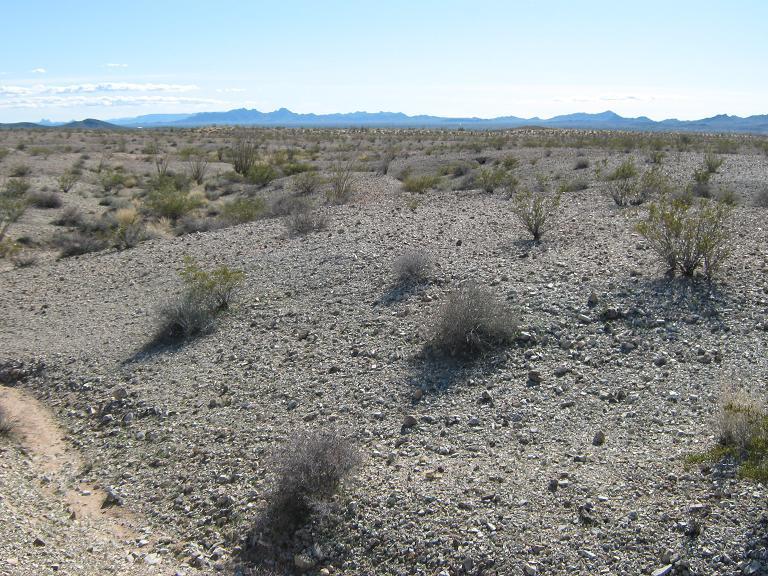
{"x":106,"y":59}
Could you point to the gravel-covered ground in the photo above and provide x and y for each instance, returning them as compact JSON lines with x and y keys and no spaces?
{"x":565,"y":453}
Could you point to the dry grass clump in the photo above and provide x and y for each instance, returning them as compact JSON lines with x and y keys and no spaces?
{"x":535,"y":210}
{"x":78,"y":242}
{"x":420,"y":184}
{"x":6,"y":425}
{"x":310,"y":470}
{"x":712,"y":162}
{"x":472,"y":322}
{"x":129,"y":229}
{"x":44,"y":199}
{"x":413,"y":267}
{"x":306,"y":183}
{"x":743,"y":435}
{"x":205,"y":294}
{"x":304,"y":219}
{"x":761,"y":198}
{"x":688,"y":234}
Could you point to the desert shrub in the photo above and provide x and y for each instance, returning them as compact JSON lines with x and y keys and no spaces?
{"x":307,"y":183}
{"x":574,"y":185}
{"x":624,"y":171}
{"x":110,"y":180}
{"x":581,"y":164}
{"x":304,"y":219}
{"x":510,"y":162}
{"x":260,"y":174}
{"x":653,"y":183}
{"x":189,"y":224}
{"x":130,"y":230}
{"x":233,"y":177}
{"x":168,"y":201}
{"x":420,"y":184}
{"x":23,"y":258}
{"x":20,"y":171}
{"x":310,"y":469}
{"x":205,"y":294}
{"x":386,"y":159}
{"x":727,"y":196}
{"x":688,"y":233}
{"x":70,"y":216}
{"x":67,"y":181}
{"x":43,"y":199}
{"x":413,"y":267}
{"x":701,"y":187}
{"x":285,"y":204}
{"x":625,"y":192}
{"x":535,"y":210}
{"x":6,"y":425}
{"x":743,"y":435}
{"x":656,"y":157}
{"x":77,"y":243}
{"x":244,"y":155}
{"x":342,"y":187}
{"x":197,"y":164}
{"x":243,"y":210}
{"x":472,"y":322}
{"x":712,"y":162}
{"x":291,"y":168}
{"x":489,"y":179}
{"x":13,"y":204}
{"x":3,"y":153}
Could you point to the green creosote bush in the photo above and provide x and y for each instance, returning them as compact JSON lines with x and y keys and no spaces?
{"x":624,"y":171}
{"x":420,"y":184}
{"x":13,"y":204}
{"x":535,"y":210}
{"x":260,"y":174}
{"x":205,"y":294}
{"x":307,"y":183}
{"x":243,"y":210}
{"x":688,"y":233}
{"x":166,"y":200}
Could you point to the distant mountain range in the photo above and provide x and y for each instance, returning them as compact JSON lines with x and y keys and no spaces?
{"x":284,"y":117}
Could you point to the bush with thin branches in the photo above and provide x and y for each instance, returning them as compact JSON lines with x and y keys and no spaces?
{"x":688,"y":233}
{"x":473,"y":321}
{"x":342,"y":186}
{"x":245,"y":153}
{"x":535,"y":210}
{"x":413,"y":267}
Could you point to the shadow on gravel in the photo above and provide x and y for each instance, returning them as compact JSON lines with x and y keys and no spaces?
{"x":434,"y":374}
{"x":157,"y":346}
{"x":686,"y":299}
{"x":398,"y":293}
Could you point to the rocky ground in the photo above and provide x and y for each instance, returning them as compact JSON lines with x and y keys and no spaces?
{"x":563,"y":454}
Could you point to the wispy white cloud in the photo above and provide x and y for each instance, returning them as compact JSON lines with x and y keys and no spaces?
{"x":42,"y":89}
{"x":73,"y":101}
{"x":115,"y":65}
{"x":38,"y":70}
{"x":229,"y":90}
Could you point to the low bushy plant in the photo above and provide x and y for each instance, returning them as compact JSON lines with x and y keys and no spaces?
{"x":342,"y":186}
{"x":242,"y":210}
{"x":420,"y":184}
{"x":624,"y":171}
{"x":688,"y":233}
{"x":44,"y":199}
{"x":535,"y":210}
{"x":413,"y":267}
{"x":307,"y":183}
{"x":261,"y":174}
{"x":473,"y":321}
{"x":205,"y":294}
{"x":166,"y":200}
{"x":13,"y":204}
{"x":310,"y":469}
